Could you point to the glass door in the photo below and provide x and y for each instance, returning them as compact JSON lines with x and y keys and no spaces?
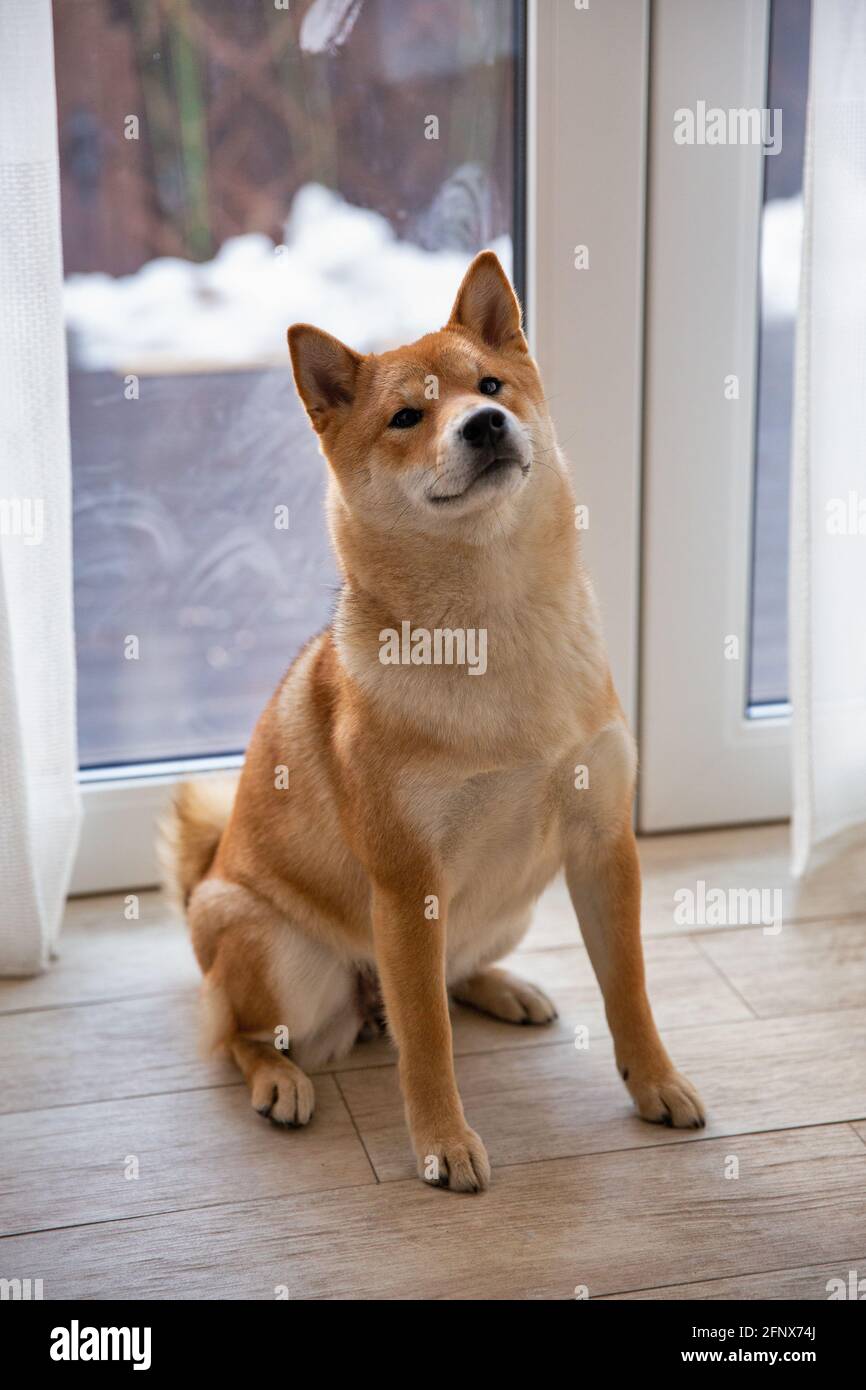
{"x":781,"y":236}
{"x":729,"y":86}
{"x":230,"y":167}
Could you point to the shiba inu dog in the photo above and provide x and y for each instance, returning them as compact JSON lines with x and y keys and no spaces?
{"x":398,"y":815}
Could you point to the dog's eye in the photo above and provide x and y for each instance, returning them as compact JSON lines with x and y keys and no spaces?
{"x":489,"y":385}
{"x":404,"y":419}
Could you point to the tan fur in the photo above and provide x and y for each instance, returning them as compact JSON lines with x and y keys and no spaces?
{"x":427,"y":808}
{"x":190,"y":832}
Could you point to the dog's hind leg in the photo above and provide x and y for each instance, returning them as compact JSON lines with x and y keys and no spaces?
{"x":503,"y":995}
{"x":474,"y":981}
{"x":274,"y":997}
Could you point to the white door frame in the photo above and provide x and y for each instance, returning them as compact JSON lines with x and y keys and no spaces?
{"x":587,"y":128}
{"x":704,"y":762}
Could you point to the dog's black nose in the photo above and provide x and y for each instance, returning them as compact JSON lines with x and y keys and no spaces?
{"x":484,"y":425}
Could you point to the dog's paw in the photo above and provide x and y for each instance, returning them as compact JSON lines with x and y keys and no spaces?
{"x":505,"y":996}
{"x":667,"y":1100}
{"x":283,"y":1093}
{"x":459,"y":1163}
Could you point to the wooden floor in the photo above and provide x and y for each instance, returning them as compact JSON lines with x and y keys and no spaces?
{"x":129,"y":1168}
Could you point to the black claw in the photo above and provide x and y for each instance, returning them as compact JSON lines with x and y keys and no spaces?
{"x":266,"y":1109}
{"x":625,"y":1074}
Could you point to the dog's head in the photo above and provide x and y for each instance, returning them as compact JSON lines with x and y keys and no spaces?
{"x":442,"y":435}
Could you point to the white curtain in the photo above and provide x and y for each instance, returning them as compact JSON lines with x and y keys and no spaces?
{"x":828,"y":549}
{"x":39,"y":804}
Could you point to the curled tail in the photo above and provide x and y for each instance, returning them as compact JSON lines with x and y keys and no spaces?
{"x":190,"y":831}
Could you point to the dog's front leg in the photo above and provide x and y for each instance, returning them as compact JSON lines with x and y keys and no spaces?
{"x":410,"y":953}
{"x":603,"y":875}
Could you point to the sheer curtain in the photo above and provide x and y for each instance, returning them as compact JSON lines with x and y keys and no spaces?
{"x":828,"y":550}
{"x":39,"y":804}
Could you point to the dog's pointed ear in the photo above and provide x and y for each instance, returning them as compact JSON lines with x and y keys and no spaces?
{"x":487,"y":306}
{"x":325,"y":372}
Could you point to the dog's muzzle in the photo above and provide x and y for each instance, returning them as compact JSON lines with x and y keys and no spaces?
{"x":485,"y":445}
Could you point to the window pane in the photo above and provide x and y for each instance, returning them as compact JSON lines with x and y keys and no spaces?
{"x":781,"y":229}
{"x":229,"y":167}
